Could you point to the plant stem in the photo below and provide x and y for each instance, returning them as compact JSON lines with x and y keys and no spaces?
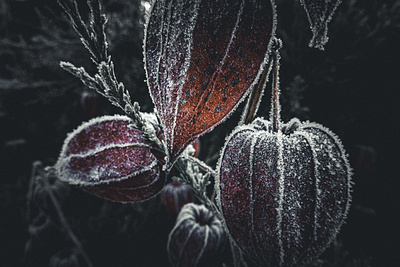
{"x":188,"y":173}
{"x":255,"y":97}
{"x":275,"y":106}
{"x":64,"y":222}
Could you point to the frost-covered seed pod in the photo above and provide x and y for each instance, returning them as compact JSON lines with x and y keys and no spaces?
{"x":110,"y":158}
{"x":176,"y":195}
{"x":284,"y":194}
{"x":196,"y":236}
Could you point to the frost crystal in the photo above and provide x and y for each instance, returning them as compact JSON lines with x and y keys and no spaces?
{"x":319,"y":13}
{"x":201,"y":59}
{"x":283,"y":195}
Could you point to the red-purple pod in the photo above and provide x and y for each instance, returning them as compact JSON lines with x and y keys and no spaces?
{"x":283,"y":194}
{"x":176,"y":195}
{"x":108,"y":157}
{"x":197,"y":235}
{"x":89,"y":103}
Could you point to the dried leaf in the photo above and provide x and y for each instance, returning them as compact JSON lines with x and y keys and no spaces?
{"x":319,"y":13}
{"x":201,"y":59}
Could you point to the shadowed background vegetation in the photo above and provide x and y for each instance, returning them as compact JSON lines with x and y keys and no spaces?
{"x":351,"y":87}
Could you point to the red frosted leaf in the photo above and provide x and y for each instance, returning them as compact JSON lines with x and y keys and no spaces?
{"x":108,"y":157}
{"x":202,"y":57}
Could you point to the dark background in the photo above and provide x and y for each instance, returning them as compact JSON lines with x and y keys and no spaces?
{"x":351,"y":87}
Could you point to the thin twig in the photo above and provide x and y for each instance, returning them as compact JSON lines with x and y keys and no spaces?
{"x":255,"y":97}
{"x":201,"y":164}
{"x":35,"y":166}
{"x":63,"y":220}
{"x":104,"y":81}
{"x":198,"y":182}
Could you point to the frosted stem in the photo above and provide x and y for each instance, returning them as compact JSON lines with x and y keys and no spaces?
{"x":255,"y":96}
{"x":275,"y":106}
{"x":197,"y":181}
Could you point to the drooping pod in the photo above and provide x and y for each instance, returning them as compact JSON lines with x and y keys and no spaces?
{"x":196,"y":236}
{"x":108,"y":157}
{"x":283,"y":194}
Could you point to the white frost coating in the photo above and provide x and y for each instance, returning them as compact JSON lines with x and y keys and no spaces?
{"x":94,"y":121}
{"x":251,"y":164}
{"x":281,"y":181}
{"x":72,"y":177}
{"x":161,"y":43}
{"x":292,"y":197}
{"x":146,"y":26}
{"x":310,"y":142}
{"x":99,"y":149}
{"x":237,"y":130}
{"x":344,"y":157}
{"x":183,"y":74}
{"x":233,"y":36}
{"x":150,"y":118}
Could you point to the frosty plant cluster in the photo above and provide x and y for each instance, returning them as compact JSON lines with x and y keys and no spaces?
{"x":282,"y":189}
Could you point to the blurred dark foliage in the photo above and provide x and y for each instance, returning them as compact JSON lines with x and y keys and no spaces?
{"x":351,"y":87}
